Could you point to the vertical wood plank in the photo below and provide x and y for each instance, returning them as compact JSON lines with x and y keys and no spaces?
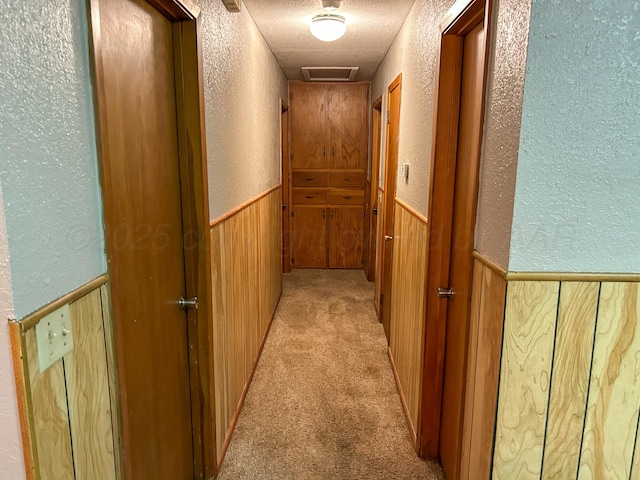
{"x":50,"y":414}
{"x":490,"y":327}
{"x":474,"y":326}
{"x":529,"y":331}
{"x":408,"y":307}
{"x":88,"y":392}
{"x":107,"y":324}
{"x":570,"y":381}
{"x":614,"y":391}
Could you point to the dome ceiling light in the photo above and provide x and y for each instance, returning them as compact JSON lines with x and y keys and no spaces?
{"x":328,"y":27}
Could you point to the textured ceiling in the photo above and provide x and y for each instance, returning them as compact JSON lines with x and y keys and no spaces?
{"x":372,"y":25}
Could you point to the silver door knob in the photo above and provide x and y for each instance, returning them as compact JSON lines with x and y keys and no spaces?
{"x":188,"y":303}
{"x":445,"y":293}
{"x":388,"y":237}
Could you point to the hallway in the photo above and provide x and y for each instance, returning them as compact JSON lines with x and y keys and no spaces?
{"x":323,"y":402}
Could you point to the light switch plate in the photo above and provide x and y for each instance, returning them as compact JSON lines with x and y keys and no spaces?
{"x":54,"y":338}
{"x":405,"y":171}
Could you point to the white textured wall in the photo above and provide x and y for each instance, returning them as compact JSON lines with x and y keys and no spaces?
{"x":577,"y":204}
{"x":48,"y":161}
{"x":505,"y":91}
{"x":11,"y":463}
{"x":243,"y":87}
{"x":413,"y":54}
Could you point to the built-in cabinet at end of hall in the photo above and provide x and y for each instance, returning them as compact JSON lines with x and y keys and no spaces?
{"x":329,"y":139}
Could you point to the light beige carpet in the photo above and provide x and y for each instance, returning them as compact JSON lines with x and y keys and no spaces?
{"x":323,"y":403}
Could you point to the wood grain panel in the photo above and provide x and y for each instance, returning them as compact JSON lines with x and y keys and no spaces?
{"x":529,"y":333}
{"x":487,"y":319}
{"x":348,"y":125}
{"x":614,"y":393}
{"x":50,"y":415}
{"x":309,"y":237}
{"x":107,"y":322}
{"x":570,"y":381}
{"x":309,"y":127}
{"x":345,"y":237}
{"x":87,"y":384}
{"x":407,"y":307}
{"x":246,"y":283}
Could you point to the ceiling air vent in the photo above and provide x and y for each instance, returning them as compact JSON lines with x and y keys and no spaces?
{"x":329,"y":74}
{"x":232,"y":5}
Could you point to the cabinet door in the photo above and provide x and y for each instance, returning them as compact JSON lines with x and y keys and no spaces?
{"x":309,"y":232}
{"x":345,"y":237}
{"x":309,"y":129}
{"x":348,"y":126}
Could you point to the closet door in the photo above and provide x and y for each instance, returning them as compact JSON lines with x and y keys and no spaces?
{"x":309,"y":128}
{"x":309,"y":237}
{"x":348,"y":126}
{"x":345,"y":237}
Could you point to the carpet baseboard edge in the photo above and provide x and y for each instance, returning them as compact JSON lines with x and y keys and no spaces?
{"x":403,"y":400}
{"x":243,"y":396}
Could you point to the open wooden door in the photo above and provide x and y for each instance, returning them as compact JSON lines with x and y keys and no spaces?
{"x":391,"y":170}
{"x":153,"y":170}
{"x":286,"y":187}
{"x":458,"y":138}
{"x":373,"y":190}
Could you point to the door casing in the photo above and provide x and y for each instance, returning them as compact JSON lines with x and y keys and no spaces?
{"x":463,"y":16}
{"x":286,"y":187}
{"x":186,"y":24}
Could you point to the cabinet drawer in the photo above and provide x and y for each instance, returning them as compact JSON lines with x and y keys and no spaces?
{"x":347,"y":179}
{"x":309,"y":179}
{"x":309,"y":197}
{"x":346,"y":197}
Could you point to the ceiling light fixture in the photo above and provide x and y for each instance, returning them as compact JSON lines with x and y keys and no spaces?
{"x":328,"y":27}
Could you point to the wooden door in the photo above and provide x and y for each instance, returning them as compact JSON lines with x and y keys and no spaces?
{"x":309,"y":237}
{"x":348,"y":126}
{"x":461,"y":249}
{"x":143,"y":216}
{"x":309,"y":128}
{"x":345,"y":237}
{"x":373,"y":192}
{"x":286,"y":188}
{"x":459,"y":115}
{"x":391,"y":169}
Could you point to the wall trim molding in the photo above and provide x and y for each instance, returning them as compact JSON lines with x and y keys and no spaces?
{"x":403,"y":400}
{"x":572,"y":277}
{"x":241,"y":207}
{"x":490,"y":264}
{"x":409,"y":209}
{"x":32,"y":319}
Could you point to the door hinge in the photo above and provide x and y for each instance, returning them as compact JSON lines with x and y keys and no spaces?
{"x":292,"y":157}
{"x":388,"y":117}
{"x":293,"y":260}
{"x":292,"y":214}
{"x":381,"y":299}
{"x":363,"y":215}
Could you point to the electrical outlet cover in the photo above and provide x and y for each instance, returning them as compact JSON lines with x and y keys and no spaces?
{"x":54,"y":338}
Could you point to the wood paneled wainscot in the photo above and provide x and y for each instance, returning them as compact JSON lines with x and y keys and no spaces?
{"x":69,"y":411}
{"x":406,"y":343}
{"x":569,"y":390}
{"x":247,"y":283}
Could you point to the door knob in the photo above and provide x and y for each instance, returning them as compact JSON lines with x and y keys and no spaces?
{"x":188,"y":303}
{"x":445,"y":293}
{"x":388,"y":237}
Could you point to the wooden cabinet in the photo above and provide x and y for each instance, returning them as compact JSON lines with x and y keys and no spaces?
{"x":329,"y":138}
